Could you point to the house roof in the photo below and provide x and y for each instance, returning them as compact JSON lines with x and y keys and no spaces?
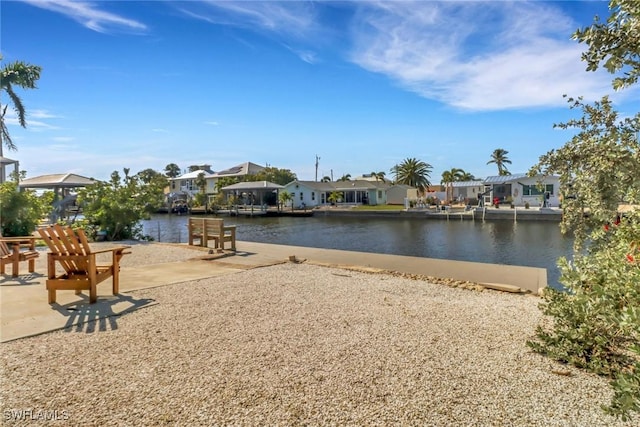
{"x":404,"y":186}
{"x":243,"y":169}
{"x":253,"y":185}
{"x":193,"y":175}
{"x":7,"y":161}
{"x":501,"y":179}
{"x":468,"y":184}
{"x":342,"y":185}
{"x":62,"y":180}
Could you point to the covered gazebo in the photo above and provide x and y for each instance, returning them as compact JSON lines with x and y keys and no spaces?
{"x":4,"y":162}
{"x":255,"y":192}
{"x":61,"y":184}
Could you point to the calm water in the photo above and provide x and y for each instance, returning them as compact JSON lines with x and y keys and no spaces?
{"x":528,"y":243}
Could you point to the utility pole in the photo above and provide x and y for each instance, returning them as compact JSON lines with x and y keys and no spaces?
{"x":317,"y":159}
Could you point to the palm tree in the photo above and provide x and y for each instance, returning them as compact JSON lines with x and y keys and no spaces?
{"x":413,"y":172}
{"x":466,"y":176}
{"x":334,"y":197}
{"x":499,"y":157}
{"x":379,"y":176}
{"x":284,"y":197}
{"x":172,"y":170}
{"x":15,"y":74}
{"x":345,"y":177}
{"x":326,"y":179}
{"x":201,"y":183}
{"x":448,"y":178}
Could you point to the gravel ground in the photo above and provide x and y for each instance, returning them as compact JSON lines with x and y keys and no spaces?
{"x":298,"y":344}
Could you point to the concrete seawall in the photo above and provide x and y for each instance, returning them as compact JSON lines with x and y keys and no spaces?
{"x":472,"y":215}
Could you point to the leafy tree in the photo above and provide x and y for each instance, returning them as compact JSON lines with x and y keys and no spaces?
{"x":21,"y":210}
{"x":285,"y":197}
{"x":335,"y":197}
{"x":596,"y":322}
{"x":326,"y":179}
{"x":615,"y":42}
{"x":225,"y":182}
{"x":275,"y":175}
{"x":499,"y":157}
{"x":172,"y":170}
{"x":15,"y":74}
{"x":413,"y":172}
{"x":147,"y":176}
{"x":119,"y":205}
{"x":345,"y":177}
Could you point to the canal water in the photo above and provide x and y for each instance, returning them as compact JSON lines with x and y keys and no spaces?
{"x":528,"y":243}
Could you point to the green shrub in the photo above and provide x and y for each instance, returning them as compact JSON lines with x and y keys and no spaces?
{"x":119,"y":205}
{"x":20,"y":210}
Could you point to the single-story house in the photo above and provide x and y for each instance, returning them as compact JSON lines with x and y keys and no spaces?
{"x":312,"y":193}
{"x":521,"y":188}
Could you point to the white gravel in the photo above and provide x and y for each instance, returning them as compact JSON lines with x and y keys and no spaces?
{"x":298,"y":344}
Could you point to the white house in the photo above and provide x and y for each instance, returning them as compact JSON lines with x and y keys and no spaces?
{"x":520,"y":189}
{"x":313,"y":193}
{"x":187,"y":183}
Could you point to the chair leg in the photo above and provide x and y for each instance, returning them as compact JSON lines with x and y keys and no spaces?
{"x":93,"y":293}
{"x":116,"y":280}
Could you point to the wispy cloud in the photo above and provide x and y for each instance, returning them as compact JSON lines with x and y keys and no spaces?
{"x":307,"y":56}
{"x":159,"y":130}
{"x":211,"y":123}
{"x":90,"y":15}
{"x":42,"y":114}
{"x":527,"y":60}
{"x":289,"y":22}
{"x":11,"y":119}
{"x":292,"y":18}
{"x":63,"y":138}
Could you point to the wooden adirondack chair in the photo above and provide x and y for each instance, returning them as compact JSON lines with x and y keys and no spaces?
{"x":70,"y":249}
{"x":14,"y":250}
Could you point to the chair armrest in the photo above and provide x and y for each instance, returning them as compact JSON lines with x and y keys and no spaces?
{"x":116,"y":249}
{"x":24,"y":241}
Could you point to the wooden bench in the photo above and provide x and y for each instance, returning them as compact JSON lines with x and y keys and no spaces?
{"x":205,"y":229}
{"x":14,"y":250}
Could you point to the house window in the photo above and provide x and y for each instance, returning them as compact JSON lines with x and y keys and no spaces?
{"x":534,"y":190}
{"x":293,"y":196}
{"x":313,"y":195}
{"x":379,"y":194}
{"x":301,"y":195}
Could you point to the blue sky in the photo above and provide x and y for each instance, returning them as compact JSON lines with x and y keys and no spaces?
{"x":363,"y":85}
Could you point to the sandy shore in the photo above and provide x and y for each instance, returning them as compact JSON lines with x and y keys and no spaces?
{"x":301,"y":344}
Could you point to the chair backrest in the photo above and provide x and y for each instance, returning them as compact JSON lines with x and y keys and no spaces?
{"x":4,"y":249}
{"x":72,"y":244}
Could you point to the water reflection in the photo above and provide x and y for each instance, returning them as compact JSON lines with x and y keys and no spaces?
{"x":529,"y":243}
